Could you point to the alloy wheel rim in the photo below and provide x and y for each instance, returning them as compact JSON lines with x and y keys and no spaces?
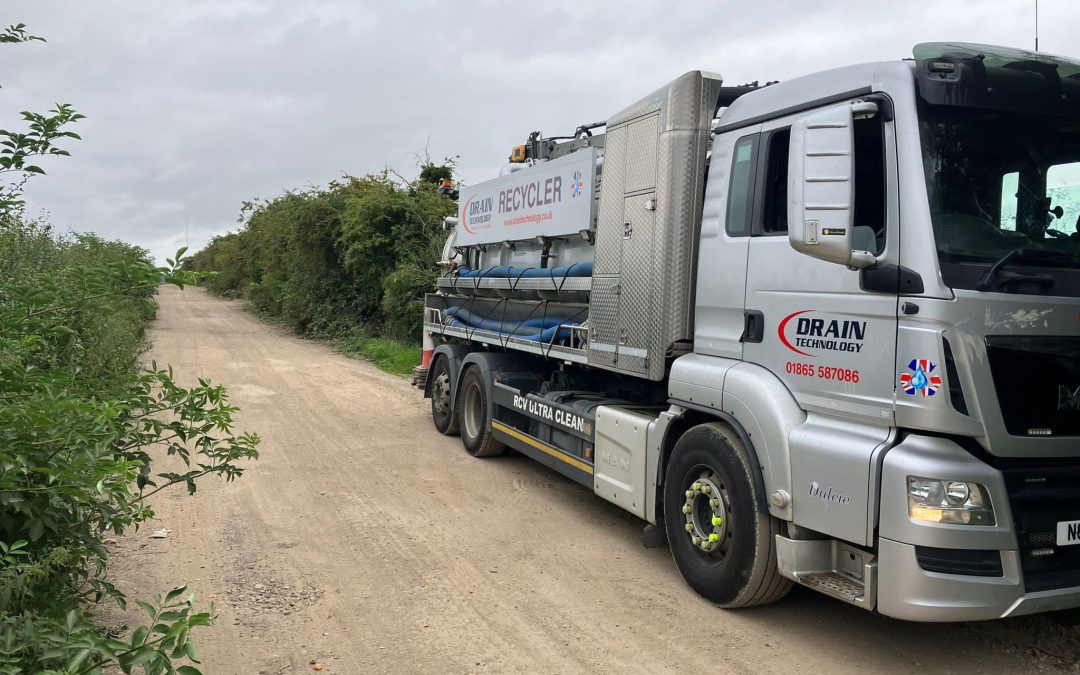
{"x":440,"y":394}
{"x":706,"y":513}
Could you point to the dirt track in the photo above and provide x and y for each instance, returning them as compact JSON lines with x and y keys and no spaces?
{"x":365,"y":540}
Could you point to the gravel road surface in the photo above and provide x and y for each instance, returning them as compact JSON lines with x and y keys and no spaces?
{"x":367,"y":542}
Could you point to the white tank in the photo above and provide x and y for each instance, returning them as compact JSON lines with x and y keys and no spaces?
{"x":531,"y":208}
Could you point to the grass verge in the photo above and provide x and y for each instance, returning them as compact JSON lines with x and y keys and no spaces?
{"x":392,"y":356}
{"x":387,"y":354}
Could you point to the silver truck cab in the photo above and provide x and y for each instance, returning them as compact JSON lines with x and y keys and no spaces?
{"x":888,"y":301}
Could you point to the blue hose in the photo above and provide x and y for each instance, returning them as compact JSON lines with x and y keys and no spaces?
{"x":526,"y":326}
{"x":583,"y":269}
{"x":546,"y":335}
{"x":549,"y":327}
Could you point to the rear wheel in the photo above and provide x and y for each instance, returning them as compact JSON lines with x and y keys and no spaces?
{"x":442,"y":407}
{"x":723,"y":544}
{"x":473,"y":420}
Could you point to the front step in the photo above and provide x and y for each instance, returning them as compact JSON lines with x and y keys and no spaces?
{"x":834,"y":584}
{"x":831,"y":567}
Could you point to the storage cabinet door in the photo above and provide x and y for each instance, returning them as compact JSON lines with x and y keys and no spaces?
{"x":604,"y":321}
{"x":610,"y":216}
{"x":638,"y":270}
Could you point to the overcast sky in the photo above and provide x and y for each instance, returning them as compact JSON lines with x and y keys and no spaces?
{"x":193,"y":107}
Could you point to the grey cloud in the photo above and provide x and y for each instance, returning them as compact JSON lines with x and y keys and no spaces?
{"x":194,"y":107}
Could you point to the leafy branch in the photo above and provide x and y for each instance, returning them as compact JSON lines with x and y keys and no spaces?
{"x":71,"y":645}
{"x":19,"y":148}
{"x":17,"y":33}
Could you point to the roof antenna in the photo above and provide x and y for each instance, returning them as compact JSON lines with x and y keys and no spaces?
{"x":1036,"y":25}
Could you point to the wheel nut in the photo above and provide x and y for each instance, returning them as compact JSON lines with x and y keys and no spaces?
{"x":714,"y":537}
{"x":715,"y":503}
{"x":689,"y":494}
{"x":706,"y":489}
{"x":696,"y":540}
{"x":704,"y":546}
{"x":717,"y":521}
{"x":689,"y":527}
{"x":696,"y":487}
{"x":686,"y":509}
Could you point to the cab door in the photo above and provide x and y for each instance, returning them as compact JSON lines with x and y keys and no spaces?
{"x":827,"y":336}
{"x":727,"y":217}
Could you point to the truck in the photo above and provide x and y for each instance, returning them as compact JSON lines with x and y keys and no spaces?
{"x":823,"y":331}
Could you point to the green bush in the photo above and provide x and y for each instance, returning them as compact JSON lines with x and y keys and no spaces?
{"x":357,"y":255}
{"x":80,"y":430}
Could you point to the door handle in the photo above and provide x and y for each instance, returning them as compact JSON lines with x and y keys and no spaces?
{"x":753,"y":326}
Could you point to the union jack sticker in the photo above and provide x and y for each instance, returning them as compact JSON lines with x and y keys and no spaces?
{"x":576,"y":184}
{"x":922,"y":379}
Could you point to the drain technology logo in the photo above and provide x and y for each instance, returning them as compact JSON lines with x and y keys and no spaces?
{"x":804,"y":333}
{"x":921,"y":379}
{"x":476,"y":214}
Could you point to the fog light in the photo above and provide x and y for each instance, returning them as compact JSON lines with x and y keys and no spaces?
{"x":948,"y":501}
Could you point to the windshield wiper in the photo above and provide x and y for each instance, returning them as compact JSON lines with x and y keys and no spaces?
{"x":1020,"y":254}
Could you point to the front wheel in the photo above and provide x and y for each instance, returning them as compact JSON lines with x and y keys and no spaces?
{"x":473,"y":420}
{"x":724,"y":545}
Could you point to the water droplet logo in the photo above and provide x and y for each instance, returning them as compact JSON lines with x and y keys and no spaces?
{"x":921,"y":379}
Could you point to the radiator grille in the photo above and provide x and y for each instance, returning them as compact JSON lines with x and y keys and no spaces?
{"x":1037,"y":381}
{"x":1041,"y":494}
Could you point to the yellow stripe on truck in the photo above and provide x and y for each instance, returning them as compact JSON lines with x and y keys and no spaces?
{"x":541,"y":446}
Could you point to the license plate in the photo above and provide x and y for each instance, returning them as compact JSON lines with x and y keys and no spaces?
{"x":1068,"y":532}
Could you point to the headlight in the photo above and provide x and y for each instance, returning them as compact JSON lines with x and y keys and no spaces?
{"x":949,"y":501}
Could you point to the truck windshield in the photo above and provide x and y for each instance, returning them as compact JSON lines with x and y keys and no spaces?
{"x":1000,"y":181}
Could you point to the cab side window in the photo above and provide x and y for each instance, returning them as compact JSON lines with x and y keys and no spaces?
{"x":869,"y":232}
{"x":774,"y":218}
{"x":741,"y":187}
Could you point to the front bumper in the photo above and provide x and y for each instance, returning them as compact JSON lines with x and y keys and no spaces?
{"x":906,"y":591}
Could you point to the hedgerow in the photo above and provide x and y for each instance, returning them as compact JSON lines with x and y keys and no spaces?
{"x":83,"y":428}
{"x":352,"y":258}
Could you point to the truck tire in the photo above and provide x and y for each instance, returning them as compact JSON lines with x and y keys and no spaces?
{"x":443,"y":414}
{"x":474,"y":422}
{"x":723,"y":544}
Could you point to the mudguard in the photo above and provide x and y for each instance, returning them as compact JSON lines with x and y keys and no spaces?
{"x":754,"y":402}
{"x":454,"y":354}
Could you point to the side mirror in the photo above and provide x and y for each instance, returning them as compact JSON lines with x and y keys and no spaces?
{"x":821,"y":178}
